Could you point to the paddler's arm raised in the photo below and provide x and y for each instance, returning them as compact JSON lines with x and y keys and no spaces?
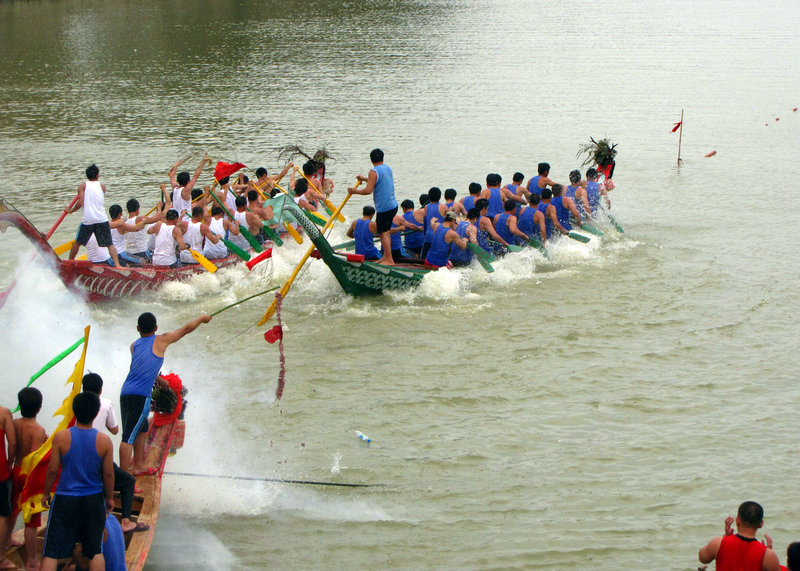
{"x":370,"y":179}
{"x":163,"y":341}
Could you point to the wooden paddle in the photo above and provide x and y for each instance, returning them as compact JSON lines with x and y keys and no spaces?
{"x":65,"y":247}
{"x":328,"y":204}
{"x":60,"y":218}
{"x":592,"y":229}
{"x":203,"y":261}
{"x":579,"y":237}
{"x":484,"y":258}
{"x":287,"y":286}
{"x":613,"y":221}
{"x":538,"y":245}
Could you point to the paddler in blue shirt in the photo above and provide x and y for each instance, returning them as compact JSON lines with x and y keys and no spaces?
{"x":414,"y":219}
{"x":576,"y":192}
{"x":465,"y":229}
{"x":542,"y":180}
{"x":594,"y":190}
{"x":444,"y":236}
{"x":506,"y":224}
{"x":380,"y":183}
{"x":496,"y":195}
{"x":362,"y":230}
{"x":564,"y":208}
{"x":434,"y":210}
{"x":531,"y":220}
{"x":486,"y":229}
{"x":474,"y":194}
{"x":549,"y":212}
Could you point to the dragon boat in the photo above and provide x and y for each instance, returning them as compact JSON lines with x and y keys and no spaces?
{"x":100,"y":282}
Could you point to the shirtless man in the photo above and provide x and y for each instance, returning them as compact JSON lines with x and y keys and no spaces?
{"x":147,"y":356}
{"x":8,"y":452}
{"x":30,"y":436}
{"x":91,"y":198}
{"x":742,"y":550}
{"x":254,"y":204}
{"x":82,"y":460}
{"x":182,"y":185}
{"x":265,"y":182}
{"x":444,"y":236}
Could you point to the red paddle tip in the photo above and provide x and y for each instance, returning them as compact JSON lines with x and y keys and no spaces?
{"x":260,"y":258}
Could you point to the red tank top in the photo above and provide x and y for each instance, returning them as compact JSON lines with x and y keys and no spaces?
{"x":740,"y":554}
{"x":5,"y":474}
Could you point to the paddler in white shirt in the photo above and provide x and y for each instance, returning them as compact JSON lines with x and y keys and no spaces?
{"x":136,"y":242}
{"x":119,"y":228}
{"x":182,"y":185}
{"x":167,"y":234}
{"x":91,"y":200}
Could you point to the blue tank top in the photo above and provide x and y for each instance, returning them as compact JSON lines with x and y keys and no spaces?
{"x":533,"y":185}
{"x":449,"y":205}
{"x":114,"y":546}
{"x":593,"y":195}
{"x":81,"y":472}
{"x":502,"y":229}
{"x":469,"y":202}
{"x":396,"y":238}
{"x":383,"y":192}
{"x":456,"y":253}
{"x":483,"y":236}
{"x":431,"y":212}
{"x":145,"y":367}
{"x":440,"y":249}
{"x":415,"y":239}
{"x":495,"y":203}
{"x":548,"y":224}
{"x":562,"y":213}
{"x":570,"y":192}
{"x":525,"y":222}
{"x":364,"y":244}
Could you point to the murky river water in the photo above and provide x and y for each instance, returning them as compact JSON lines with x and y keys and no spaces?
{"x":605,"y":409}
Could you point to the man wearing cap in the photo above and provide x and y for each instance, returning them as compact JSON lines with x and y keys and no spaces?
{"x":380,"y":183}
{"x":444,"y":235}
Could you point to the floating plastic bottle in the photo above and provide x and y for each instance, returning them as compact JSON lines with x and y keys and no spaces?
{"x":363,"y":436}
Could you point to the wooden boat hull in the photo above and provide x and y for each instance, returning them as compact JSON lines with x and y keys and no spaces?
{"x":100,"y":282}
{"x":358,"y":278}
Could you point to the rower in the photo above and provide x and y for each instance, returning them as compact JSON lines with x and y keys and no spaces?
{"x":192,"y":235}
{"x":214,"y":248}
{"x":182,"y":185}
{"x":564,"y":207}
{"x":434,"y":210}
{"x":97,"y":254}
{"x":549,"y":212}
{"x":300,"y":192}
{"x":451,"y":204}
{"x":226,"y":194}
{"x":542,"y":180}
{"x":136,"y":242}
{"x":531,"y":220}
{"x":314,"y":172}
{"x":265,"y":182}
{"x":444,"y":236}
{"x":258,"y":214}
{"x":506,"y":224}
{"x":414,"y":237}
{"x":474,"y":194}
{"x":167,"y":234}
{"x":486,"y":229}
{"x":465,"y":229}
{"x":119,"y":228}
{"x":517,"y":189}
{"x":399,"y":225}
{"x":313,"y":194}
{"x":577,"y":193}
{"x":240,"y":219}
{"x":363,"y":230}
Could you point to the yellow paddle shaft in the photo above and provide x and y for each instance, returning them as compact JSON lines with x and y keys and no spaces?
{"x":287,"y":286}
{"x":325,"y":200}
{"x":203,"y":261}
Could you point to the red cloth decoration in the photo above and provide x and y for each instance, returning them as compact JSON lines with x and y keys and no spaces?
{"x":226,"y":169}
{"x":274,"y":334}
{"x":175,"y":383}
{"x":677,"y":126}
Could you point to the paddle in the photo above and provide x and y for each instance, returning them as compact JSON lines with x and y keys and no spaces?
{"x":592,"y":229}
{"x":510,"y":247}
{"x":613,"y":221}
{"x":65,"y":247}
{"x":245,"y":232}
{"x":285,"y":288}
{"x":279,"y":480}
{"x":203,"y":261}
{"x":60,"y":218}
{"x":328,"y":204}
{"x":484,"y":258}
{"x":579,"y":237}
{"x":236,"y":249}
{"x":538,"y":245}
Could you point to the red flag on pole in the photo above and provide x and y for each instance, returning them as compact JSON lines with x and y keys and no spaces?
{"x":226,"y":169}
{"x":677,"y":126}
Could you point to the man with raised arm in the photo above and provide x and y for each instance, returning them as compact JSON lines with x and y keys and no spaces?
{"x":147,"y":356}
{"x":85,"y":459}
{"x":91,"y":201}
{"x":380,"y":183}
{"x":742,"y":551}
{"x":182,"y":185}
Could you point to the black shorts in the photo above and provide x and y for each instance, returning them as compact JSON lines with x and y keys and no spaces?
{"x":101,"y":230}
{"x":383,"y":220}
{"x":134,"y":409}
{"x":75,"y":519}
{"x":5,"y":497}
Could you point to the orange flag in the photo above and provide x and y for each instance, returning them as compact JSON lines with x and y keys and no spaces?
{"x":34,"y":465}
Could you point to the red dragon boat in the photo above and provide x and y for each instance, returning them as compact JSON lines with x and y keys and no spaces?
{"x":100,"y":282}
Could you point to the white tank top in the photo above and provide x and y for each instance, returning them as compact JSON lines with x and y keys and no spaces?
{"x":164,"y":247}
{"x":94,"y":210}
{"x":135,"y":242}
{"x":193,"y":237}
{"x":218,"y":250}
{"x":95,"y":253}
{"x":118,"y":239}
{"x":230,"y":200}
{"x":178,"y":203}
{"x":241,"y":220}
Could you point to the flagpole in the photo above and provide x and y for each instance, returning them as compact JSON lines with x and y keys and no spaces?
{"x":680,"y":136}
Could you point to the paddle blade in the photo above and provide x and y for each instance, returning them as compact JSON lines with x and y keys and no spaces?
{"x":250,"y":238}
{"x":261,"y":257}
{"x":203,"y":261}
{"x":65,"y":247}
{"x":293,"y":232}
{"x":592,"y":229}
{"x":514,"y":248}
{"x":579,"y":237}
{"x":616,"y":224}
{"x":272,"y":235}
{"x":236,"y":249}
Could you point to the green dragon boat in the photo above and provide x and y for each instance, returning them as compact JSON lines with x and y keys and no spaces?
{"x":357,"y":276}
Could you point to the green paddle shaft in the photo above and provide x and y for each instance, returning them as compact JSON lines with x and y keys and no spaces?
{"x":579,"y":237}
{"x":592,"y":229}
{"x":236,"y":249}
{"x":484,"y":258}
{"x":615,"y":223}
{"x":245,"y":232}
{"x":538,"y":245}
{"x":53,"y":362}
{"x":272,"y":235}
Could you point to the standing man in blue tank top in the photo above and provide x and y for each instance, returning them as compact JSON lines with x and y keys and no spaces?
{"x":380,"y":183}
{"x":147,"y":356}
{"x":78,"y":512}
